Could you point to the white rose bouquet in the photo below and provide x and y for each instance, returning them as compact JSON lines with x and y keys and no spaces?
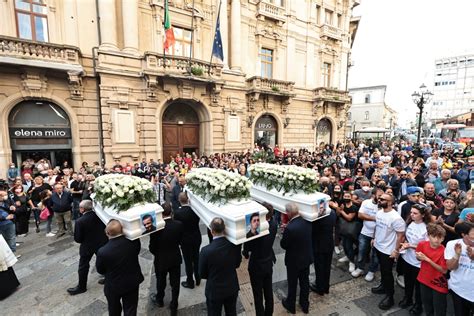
{"x":218,"y":186}
{"x":121,"y":192}
{"x":284,"y":178}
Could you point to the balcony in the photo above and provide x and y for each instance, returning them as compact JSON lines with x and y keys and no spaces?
{"x":181,"y":67}
{"x":329,"y":31}
{"x":270,"y":86}
{"x":270,"y":11}
{"x":17,"y":51}
{"x":331,"y":95}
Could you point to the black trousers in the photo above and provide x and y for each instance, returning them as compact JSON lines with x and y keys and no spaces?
{"x":191,"y":262}
{"x":174,"y":273}
{"x":294,"y":276}
{"x":411,"y":283}
{"x":262,"y":288}
{"x":84,"y":269}
{"x":434,"y":302}
{"x":386,"y":265}
{"x":462,"y":307}
{"x":214,"y":307}
{"x":129,"y":303}
{"x":322,"y":269}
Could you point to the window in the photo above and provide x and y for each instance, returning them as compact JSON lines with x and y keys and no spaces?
{"x":280,"y":3}
{"x":367,"y":98}
{"x":438,"y":66}
{"x":318,"y":12}
{"x":437,"y":83}
{"x":366,"y":115}
{"x":328,"y":17}
{"x":32,"y":20}
{"x":326,"y":75}
{"x":339,"y":21}
{"x":349,"y":116}
{"x":266,"y":62}
{"x":182,"y":46}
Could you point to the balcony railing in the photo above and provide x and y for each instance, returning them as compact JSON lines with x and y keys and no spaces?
{"x":270,"y":86}
{"x":181,"y":66}
{"x":331,"y":32}
{"x":271,"y":11}
{"x":39,"y":51}
{"x":330,"y":94}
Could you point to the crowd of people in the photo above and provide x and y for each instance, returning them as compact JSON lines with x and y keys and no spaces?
{"x":392,"y":204}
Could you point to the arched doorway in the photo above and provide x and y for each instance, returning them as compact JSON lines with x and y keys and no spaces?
{"x":40,"y":130}
{"x":324,"y":132}
{"x":180,"y":130}
{"x":266,"y":131}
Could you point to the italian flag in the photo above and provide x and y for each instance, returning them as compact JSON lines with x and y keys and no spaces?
{"x":169,"y":34}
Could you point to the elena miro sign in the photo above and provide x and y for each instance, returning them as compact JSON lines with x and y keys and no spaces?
{"x":40,"y":132}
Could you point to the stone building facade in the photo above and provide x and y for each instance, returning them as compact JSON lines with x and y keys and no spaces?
{"x":85,"y":80}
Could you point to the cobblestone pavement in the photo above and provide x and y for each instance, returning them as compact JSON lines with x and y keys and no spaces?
{"x":48,"y":266}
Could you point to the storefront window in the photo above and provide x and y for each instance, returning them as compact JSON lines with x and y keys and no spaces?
{"x":266,"y":131}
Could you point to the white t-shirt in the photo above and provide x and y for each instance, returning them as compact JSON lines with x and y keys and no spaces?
{"x":461,"y":280}
{"x":387,"y":224}
{"x":369,"y":208}
{"x":414,"y":234}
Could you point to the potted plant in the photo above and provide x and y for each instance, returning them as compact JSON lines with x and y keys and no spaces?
{"x":197,"y":71}
{"x":275,"y":89}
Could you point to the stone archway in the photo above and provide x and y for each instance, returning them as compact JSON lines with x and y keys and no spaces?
{"x":324,"y":132}
{"x":185,"y":126}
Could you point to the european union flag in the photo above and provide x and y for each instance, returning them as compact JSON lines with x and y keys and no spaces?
{"x":217,"y":50}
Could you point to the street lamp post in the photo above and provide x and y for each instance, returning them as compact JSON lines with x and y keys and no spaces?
{"x":421,"y":99}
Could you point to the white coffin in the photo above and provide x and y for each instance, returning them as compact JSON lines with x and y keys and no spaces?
{"x":308,"y":204}
{"x":131,"y":219}
{"x":234,"y":215}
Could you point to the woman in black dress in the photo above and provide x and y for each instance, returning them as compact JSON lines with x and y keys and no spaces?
{"x":22,"y":204}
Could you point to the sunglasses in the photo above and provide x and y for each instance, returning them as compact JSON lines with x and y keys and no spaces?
{"x":380,"y":199}
{"x":416,"y":169}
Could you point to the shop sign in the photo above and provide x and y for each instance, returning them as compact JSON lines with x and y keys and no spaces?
{"x":265,"y":123}
{"x":40,"y":132}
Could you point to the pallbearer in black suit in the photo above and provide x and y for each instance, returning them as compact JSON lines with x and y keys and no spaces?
{"x":118,"y":261}
{"x":260,"y":267}
{"x":177,"y":189}
{"x":164,"y":245}
{"x":89,"y":232}
{"x":298,"y":257}
{"x":217,"y":264}
{"x":323,"y":247}
{"x":191,"y":240}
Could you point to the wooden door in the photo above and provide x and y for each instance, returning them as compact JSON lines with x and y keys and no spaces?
{"x":179,"y":139}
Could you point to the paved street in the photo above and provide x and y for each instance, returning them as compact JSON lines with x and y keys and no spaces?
{"x":48,"y":266}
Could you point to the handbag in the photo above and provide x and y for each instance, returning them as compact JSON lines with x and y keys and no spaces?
{"x":349,"y":229}
{"x":45,"y":213}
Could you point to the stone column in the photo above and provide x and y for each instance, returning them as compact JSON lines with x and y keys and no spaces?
{"x":224,"y":33}
{"x":235,"y":32}
{"x":108,"y":24}
{"x":130,"y":26}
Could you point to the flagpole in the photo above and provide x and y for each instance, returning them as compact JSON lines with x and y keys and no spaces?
{"x":218,"y":16}
{"x":164,"y":21}
{"x":192,"y":40}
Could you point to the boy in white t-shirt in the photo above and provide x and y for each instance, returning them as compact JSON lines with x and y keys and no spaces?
{"x":389,"y":233}
{"x":459,"y":255}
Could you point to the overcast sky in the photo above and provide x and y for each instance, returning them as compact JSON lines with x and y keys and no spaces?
{"x":398,"y":41}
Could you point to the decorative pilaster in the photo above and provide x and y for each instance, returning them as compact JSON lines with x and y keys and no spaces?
{"x":235,"y":55}
{"x":130,"y":26}
{"x":108,"y":24}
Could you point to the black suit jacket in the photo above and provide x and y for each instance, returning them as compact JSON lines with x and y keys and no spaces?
{"x":323,"y":230}
{"x":63,"y":204}
{"x":392,"y":181}
{"x":217,"y":264}
{"x":297,"y":241}
{"x":89,"y":231}
{"x":118,"y":261}
{"x":261,"y":249}
{"x":191,"y":232}
{"x":174,"y":197}
{"x":164,"y":245}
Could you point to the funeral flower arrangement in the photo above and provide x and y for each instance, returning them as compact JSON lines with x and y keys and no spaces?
{"x":121,"y":192}
{"x":284,"y":178}
{"x":218,"y":186}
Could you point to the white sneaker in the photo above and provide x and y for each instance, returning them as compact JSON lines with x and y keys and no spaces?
{"x":369,"y":277}
{"x":352,"y":267}
{"x":357,"y":273}
{"x":401,"y":281}
{"x":343,"y":259}
{"x":50,"y":235}
{"x":337,"y":250}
